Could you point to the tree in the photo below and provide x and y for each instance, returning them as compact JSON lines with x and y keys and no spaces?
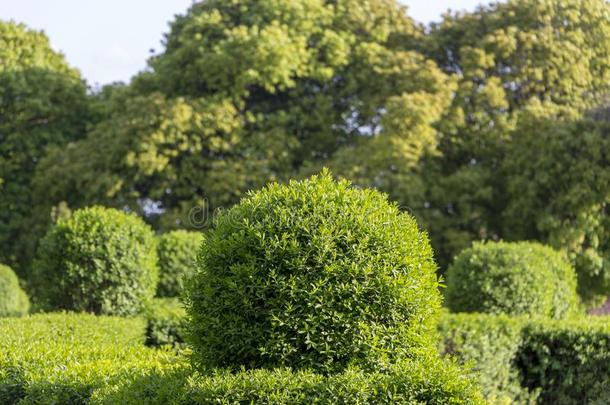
{"x":559,"y":183}
{"x":506,"y":56}
{"x":252,"y":91}
{"x":42,"y":103}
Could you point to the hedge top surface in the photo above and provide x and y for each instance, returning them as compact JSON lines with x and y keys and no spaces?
{"x":13,"y":300}
{"x":315,"y":274}
{"x":100,"y":260}
{"x":177,"y":252}
{"x":523,"y":278}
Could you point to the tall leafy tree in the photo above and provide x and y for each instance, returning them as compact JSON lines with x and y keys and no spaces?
{"x":506,"y":57}
{"x":42,"y":103}
{"x":558,"y":178}
{"x":250,"y":91}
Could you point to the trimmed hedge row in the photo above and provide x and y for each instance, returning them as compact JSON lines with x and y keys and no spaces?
{"x":80,"y":359}
{"x":430,"y":381}
{"x":520,"y":359}
{"x":63,"y":358}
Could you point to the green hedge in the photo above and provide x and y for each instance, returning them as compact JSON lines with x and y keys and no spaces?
{"x":63,"y":358}
{"x":68,"y":358}
{"x":521,"y":359}
{"x":409,"y":382}
{"x":165,"y":323}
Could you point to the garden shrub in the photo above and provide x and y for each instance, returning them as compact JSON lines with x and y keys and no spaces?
{"x":100,"y":260}
{"x":165,"y":322}
{"x":527,"y":360}
{"x":177,"y":253}
{"x":568,"y":361}
{"x":61,"y":358}
{"x":430,"y":381}
{"x":314,"y":274}
{"x":512,"y":278}
{"x":13,"y":300}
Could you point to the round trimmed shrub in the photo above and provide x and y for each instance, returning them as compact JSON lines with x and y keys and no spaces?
{"x":100,"y":260}
{"x":523,"y":278}
{"x":177,"y":252}
{"x":314,"y":274}
{"x":13,"y":300}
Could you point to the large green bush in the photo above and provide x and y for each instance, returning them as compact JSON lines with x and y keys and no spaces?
{"x":314,"y":274}
{"x":525,"y":359}
{"x":13,"y":300}
{"x":512,"y":278}
{"x":100,"y":260}
{"x":177,"y":252}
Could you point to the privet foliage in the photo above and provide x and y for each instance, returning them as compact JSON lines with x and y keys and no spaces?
{"x":100,"y":260}
{"x":314,"y":274}
{"x":177,"y":253}
{"x":42,"y":103}
{"x":523,"y":278}
{"x":13,"y":300}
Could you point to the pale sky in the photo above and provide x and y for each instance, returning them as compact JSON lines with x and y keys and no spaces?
{"x":109,"y":40}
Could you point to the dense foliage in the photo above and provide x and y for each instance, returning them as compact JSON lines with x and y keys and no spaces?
{"x":545,"y":361}
{"x":42,"y":103}
{"x":177,"y":253}
{"x":13,"y":300}
{"x":314,"y":274}
{"x":522,"y":278}
{"x":99,"y":260}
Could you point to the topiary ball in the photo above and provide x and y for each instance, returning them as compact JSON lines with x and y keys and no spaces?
{"x":314,"y":274}
{"x":177,"y":252}
{"x":100,"y":260}
{"x":13,"y":300}
{"x":512,"y":278}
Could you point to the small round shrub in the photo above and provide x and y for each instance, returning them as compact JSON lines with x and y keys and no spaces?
{"x":100,"y":260}
{"x":177,"y":252}
{"x":522,"y":278}
{"x":13,"y":300}
{"x":314,"y":274}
